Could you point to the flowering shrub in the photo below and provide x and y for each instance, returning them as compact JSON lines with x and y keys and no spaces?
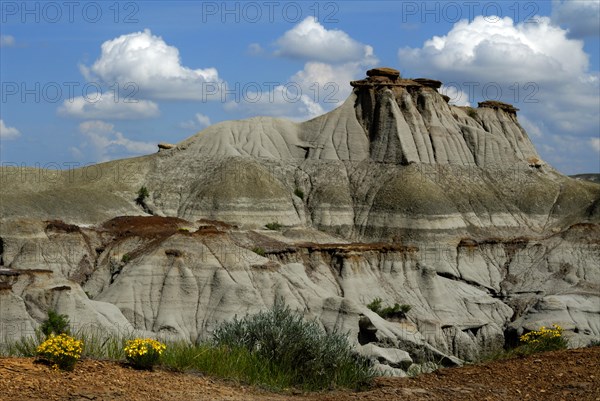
{"x":143,"y":353}
{"x":62,"y":351}
{"x":545,"y":339}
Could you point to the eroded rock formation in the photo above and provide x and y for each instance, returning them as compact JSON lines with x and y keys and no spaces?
{"x":395,"y":194}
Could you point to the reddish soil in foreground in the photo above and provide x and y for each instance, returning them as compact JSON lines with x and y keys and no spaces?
{"x":562,"y":375}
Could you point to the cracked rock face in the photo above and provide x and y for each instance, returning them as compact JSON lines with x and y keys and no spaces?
{"x":394,"y":195}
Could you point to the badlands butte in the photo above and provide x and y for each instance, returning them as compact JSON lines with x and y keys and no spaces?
{"x":396,"y":194}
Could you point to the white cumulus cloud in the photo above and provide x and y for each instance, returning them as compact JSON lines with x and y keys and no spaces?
{"x":255,"y":49}
{"x":154,"y":66}
{"x":8,"y":132}
{"x":284,"y":101}
{"x":483,"y":49}
{"x":200,"y":121}
{"x":309,"y":40}
{"x":332,"y":59}
{"x":105,"y":143}
{"x":581,"y":17}
{"x":328,"y":84}
{"x":535,"y":66}
{"x":108,"y":106}
{"x":457,"y":96}
{"x":532,"y":129}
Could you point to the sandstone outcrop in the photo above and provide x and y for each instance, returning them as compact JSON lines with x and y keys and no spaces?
{"x":396,"y":194}
{"x":430,"y":83}
{"x":387,"y":72}
{"x":165,"y":146}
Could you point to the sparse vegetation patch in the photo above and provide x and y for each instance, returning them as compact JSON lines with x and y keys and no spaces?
{"x":142,"y":194}
{"x":387,"y":312}
{"x":471,"y":112}
{"x":273,"y":226}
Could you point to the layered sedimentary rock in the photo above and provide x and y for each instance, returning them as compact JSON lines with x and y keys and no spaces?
{"x":395,"y":194}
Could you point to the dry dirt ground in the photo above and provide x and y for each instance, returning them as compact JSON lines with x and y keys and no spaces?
{"x":563,"y":375}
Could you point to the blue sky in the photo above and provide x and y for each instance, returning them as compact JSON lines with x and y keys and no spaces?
{"x":85,"y":82}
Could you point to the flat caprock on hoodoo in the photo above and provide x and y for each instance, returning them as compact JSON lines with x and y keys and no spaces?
{"x":396,"y":194}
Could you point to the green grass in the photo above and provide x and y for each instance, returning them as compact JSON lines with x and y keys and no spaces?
{"x":98,"y":344}
{"x":240,"y":364}
{"x":230,"y":363}
{"x":25,"y":346}
{"x":299,"y":193}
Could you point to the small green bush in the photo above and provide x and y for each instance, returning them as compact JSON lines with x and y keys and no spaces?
{"x":375,"y":305}
{"x":125,"y":258}
{"x":142,"y":194}
{"x":298,"y":349}
{"x":259,"y":251}
{"x":273,"y":226}
{"x":404,"y":308}
{"x":299,"y":193}
{"x":386,"y":312}
{"x":55,"y":324}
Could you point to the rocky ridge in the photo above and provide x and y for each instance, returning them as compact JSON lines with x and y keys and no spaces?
{"x":395,"y":194}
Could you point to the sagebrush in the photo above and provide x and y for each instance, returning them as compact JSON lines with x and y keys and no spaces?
{"x":300,"y":349}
